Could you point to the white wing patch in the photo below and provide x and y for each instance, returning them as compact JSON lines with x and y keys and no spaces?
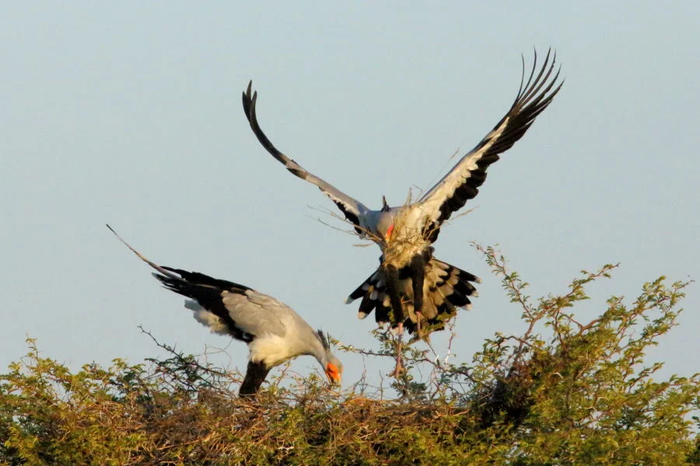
{"x":208,"y":319}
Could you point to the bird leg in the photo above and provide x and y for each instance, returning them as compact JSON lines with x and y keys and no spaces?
{"x":391,"y":277}
{"x":417,"y":267}
{"x":398,"y":370}
{"x":254,"y":377}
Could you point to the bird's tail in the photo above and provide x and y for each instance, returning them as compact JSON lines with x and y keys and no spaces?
{"x":446,"y":288}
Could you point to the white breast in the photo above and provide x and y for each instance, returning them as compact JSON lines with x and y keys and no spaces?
{"x":271,"y":350}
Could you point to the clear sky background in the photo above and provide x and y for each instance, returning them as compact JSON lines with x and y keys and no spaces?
{"x":130,"y":113}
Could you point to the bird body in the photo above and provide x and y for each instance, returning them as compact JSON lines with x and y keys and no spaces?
{"x":409,"y":276}
{"x":273,"y":331}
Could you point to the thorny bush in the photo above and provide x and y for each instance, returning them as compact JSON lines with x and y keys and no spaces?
{"x":563,"y":392}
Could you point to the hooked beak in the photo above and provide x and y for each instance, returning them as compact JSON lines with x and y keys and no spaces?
{"x":333,"y":374}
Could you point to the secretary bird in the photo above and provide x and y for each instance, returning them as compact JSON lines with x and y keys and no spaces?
{"x":409,"y":276}
{"x":272,"y":330}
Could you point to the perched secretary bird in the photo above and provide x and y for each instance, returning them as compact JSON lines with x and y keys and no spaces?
{"x":411,"y":287}
{"x":273,"y":331}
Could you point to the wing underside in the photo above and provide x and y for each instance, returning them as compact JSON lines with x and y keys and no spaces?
{"x":463,"y":181}
{"x":352,"y":209}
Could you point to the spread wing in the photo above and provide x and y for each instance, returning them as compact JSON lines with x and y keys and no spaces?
{"x":463,"y":181}
{"x":237,"y":306}
{"x":353,"y":210}
{"x":222,"y":305}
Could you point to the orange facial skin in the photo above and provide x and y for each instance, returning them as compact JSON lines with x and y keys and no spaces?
{"x":389,"y":231}
{"x":333,"y":373}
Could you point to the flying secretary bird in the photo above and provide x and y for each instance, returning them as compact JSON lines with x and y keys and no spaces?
{"x":273,"y":331}
{"x":411,"y":287}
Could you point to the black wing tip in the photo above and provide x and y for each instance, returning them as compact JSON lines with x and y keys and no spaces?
{"x":250,"y":99}
{"x":200,"y":280}
{"x":249,"y":96}
{"x":530,"y":90}
{"x":248,"y":90}
{"x":176,"y":285}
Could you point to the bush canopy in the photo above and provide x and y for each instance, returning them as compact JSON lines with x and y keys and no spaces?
{"x":564,"y":392}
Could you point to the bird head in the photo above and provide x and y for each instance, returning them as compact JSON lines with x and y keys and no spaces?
{"x":331,"y":365}
{"x":334,"y":370}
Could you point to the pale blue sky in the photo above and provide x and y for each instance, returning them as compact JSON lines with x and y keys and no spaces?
{"x":130,"y":113}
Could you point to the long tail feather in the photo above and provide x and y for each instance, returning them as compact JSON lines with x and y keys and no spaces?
{"x":446,"y":288}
